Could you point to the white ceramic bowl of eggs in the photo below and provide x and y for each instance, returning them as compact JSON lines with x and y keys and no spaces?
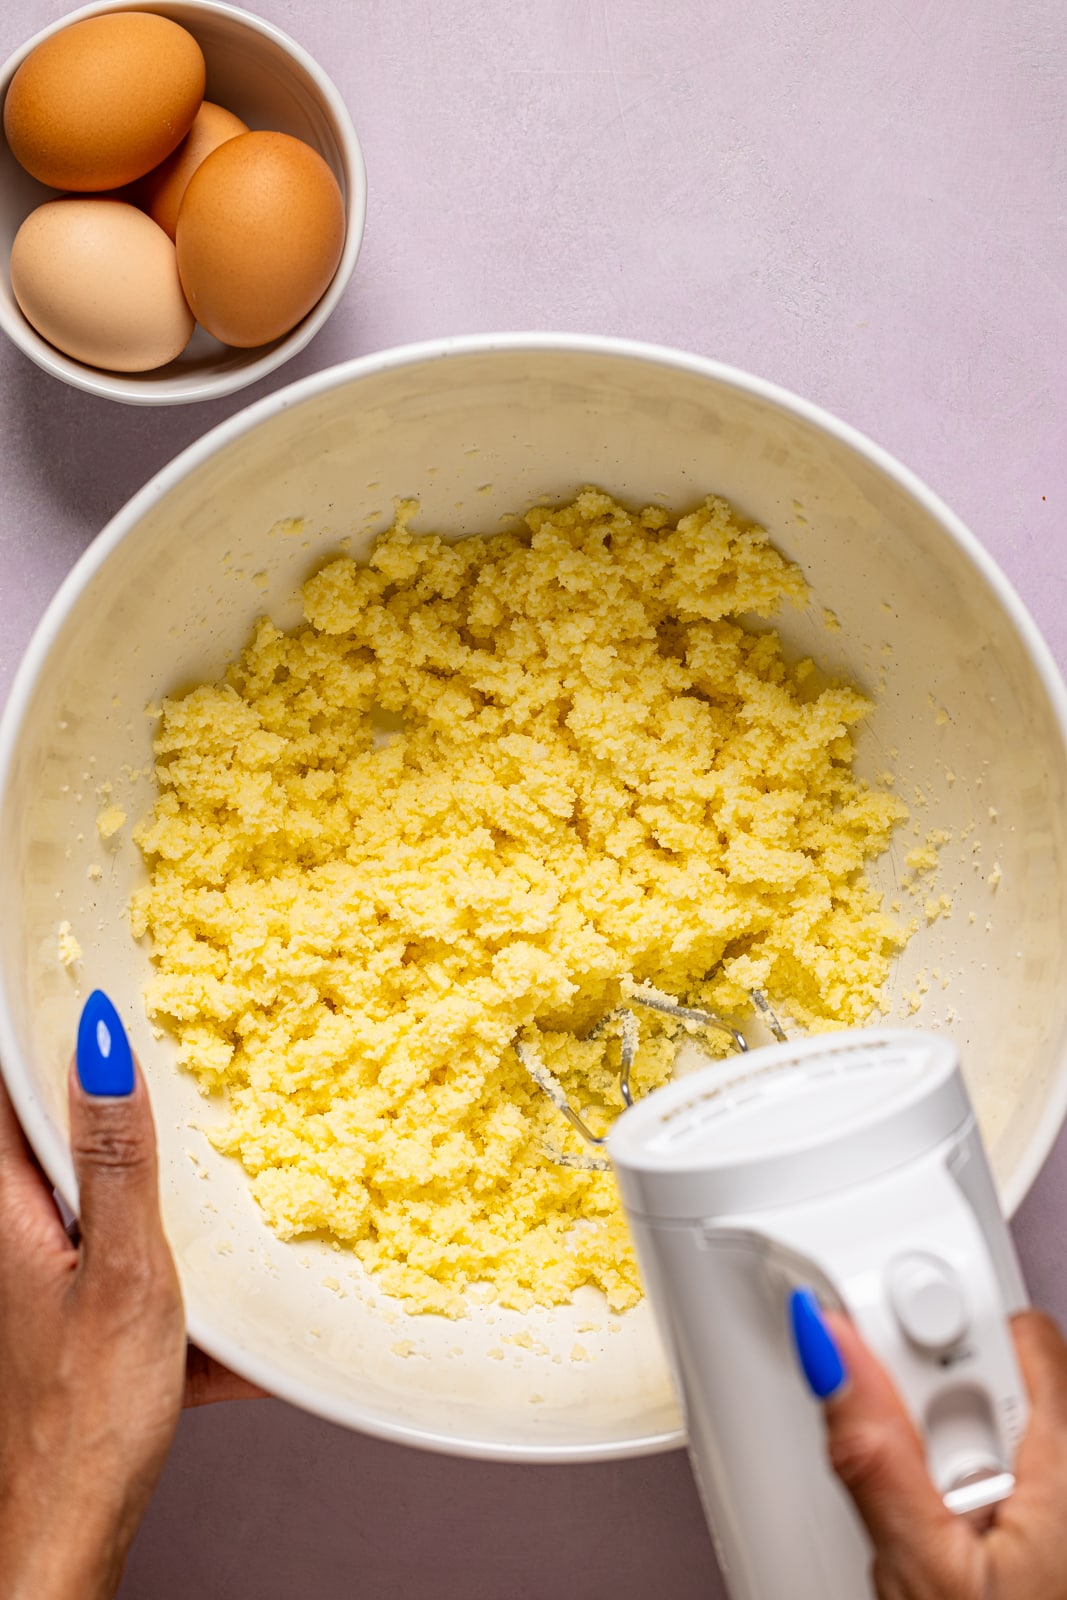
{"x":97,"y":273}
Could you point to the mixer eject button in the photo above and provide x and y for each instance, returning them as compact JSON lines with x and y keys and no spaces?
{"x":927,"y":1297}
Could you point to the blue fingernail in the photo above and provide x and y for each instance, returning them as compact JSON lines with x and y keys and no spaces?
{"x":105,"y":1061}
{"x":820,"y":1360}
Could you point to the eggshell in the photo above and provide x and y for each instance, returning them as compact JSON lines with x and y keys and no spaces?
{"x":160,"y":192}
{"x":99,"y":280}
{"x":260,"y":233}
{"x":103,"y":101}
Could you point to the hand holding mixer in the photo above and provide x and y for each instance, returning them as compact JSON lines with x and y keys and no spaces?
{"x":852,"y":1164}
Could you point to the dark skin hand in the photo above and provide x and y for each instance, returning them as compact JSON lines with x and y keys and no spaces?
{"x":1016,"y":1550}
{"x":94,"y":1365}
{"x":94,"y":1369}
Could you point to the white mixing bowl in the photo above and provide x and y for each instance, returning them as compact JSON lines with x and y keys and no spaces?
{"x":971,"y":715}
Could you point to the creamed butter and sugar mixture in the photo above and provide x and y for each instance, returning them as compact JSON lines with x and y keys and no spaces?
{"x":483,"y":787}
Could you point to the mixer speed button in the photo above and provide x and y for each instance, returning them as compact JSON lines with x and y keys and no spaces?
{"x":928,"y":1299}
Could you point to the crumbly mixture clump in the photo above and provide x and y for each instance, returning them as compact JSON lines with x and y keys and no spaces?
{"x":484,"y":787}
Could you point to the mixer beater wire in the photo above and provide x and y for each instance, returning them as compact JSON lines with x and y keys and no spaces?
{"x":624,"y":1019}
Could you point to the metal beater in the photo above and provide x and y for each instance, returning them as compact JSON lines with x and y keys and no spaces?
{"x":625,"y":1019}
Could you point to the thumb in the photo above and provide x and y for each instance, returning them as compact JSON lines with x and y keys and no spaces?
{"x":113,"y":1145}
{"x":878,"y":1454}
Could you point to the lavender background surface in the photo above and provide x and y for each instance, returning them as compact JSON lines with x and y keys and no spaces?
{"x":864,"y":203}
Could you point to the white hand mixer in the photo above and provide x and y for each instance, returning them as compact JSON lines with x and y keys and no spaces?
{"x":849,"y":1163}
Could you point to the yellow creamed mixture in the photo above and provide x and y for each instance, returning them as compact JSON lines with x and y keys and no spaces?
{"x":482,"y":788}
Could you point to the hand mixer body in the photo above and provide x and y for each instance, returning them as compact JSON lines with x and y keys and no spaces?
{"x":853,"y":1165}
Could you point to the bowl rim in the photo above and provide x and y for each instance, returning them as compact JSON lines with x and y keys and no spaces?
{"x":140,"y":391}
{"x":51,"y":1148}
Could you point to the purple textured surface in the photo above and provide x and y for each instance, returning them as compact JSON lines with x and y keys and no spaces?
{"x":864,"y":203}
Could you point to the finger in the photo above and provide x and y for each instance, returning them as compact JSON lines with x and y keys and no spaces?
{"x":113,"y":1145}
{"x":207,"y":1381}
{"x":29,"y":1220}
{"x":1028,"y":1545}
{"x":877,"y":1453}
{"x":1042,"y":1353}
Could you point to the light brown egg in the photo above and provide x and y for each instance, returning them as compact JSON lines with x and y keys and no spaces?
{"x":99,"y":280}
{"x":260,"y":233}
{"x":103,"y":101}
{"x":160,"y":191}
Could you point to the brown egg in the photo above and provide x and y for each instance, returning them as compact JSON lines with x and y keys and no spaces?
{"x":160,"y":191}
{"x":260,"y":233}
{"x":103,"y":101}
{"x":98,"y":279}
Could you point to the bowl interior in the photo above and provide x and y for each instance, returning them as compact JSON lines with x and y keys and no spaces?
{"x":269,"y":82}
{"x":965,"y":716}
